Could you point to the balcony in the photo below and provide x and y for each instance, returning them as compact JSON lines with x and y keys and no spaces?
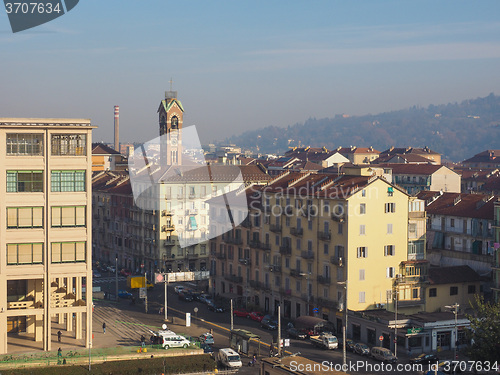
{"x":337,"y":261}
{"x":265,"y":246}
{"x":276,"y":228}
{"x":340,"y":217}
{"x":256,"y":284}
{"x":307,"y":255}
{"x":289,"y":210}
{"x":245,"y":261}
{"x":234,"y":278}
{"x":166,"y":213}
{"x":324,"y":280}
{"x":325,"y":236}
{"x":192,"y":255}
{"x":167,"y":227}
{"x":169,"y":242}
{"x":323,"y":302}
{"x":246,"y":223}
{"x":295,"y":273}
{"x":296,"y":231}
{"x":255,"y":244}
{"x":191,"y":211}
{"x":220,"y":255}
{"x":286,"y":250}
{"x":274,"y":268}
{"x":234,"y":240}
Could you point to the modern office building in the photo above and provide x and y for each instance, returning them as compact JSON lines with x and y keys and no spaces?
{"x":45,"y":229}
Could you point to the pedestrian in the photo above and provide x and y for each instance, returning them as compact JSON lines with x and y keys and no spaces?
{"x":104,"y":327}
{"x":143,"y":341}
{"x":59,"y":356}
{"x":59,"y":335}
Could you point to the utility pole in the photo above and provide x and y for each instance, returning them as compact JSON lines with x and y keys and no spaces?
{"x":116,"y":276}
{"x":231,"y":314}
{"x":279,"y":331}
{"x":146,"y":291}
{"x":455,"y":311}
{"x":166,"y":287}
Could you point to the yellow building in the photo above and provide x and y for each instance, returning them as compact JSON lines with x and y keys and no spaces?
{"x":45,"y":229}
{"x":305,"y":235}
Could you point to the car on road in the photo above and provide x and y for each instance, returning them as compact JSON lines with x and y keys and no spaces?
{"x":361,"y":349}
{"x":124,"y":294}
{"x":349,"y":344}
{"x":269,"y":322}
{"x":205,"y":298}
{"x":207,"y":338}
{"x":424,"y":359}
{"x":178,"y":288}
{"x":96,"y":274}
{"x":111,"y":269}
{"x":212,"y":306}
{"x":241,"y":313}
{"x":256,"y":315}
{"x":294,"y":333}
{"x":185,"y":295}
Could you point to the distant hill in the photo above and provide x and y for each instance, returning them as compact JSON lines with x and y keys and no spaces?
{"x":456,"y":130}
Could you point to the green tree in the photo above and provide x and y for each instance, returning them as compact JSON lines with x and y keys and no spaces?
{"x":484,"y":332}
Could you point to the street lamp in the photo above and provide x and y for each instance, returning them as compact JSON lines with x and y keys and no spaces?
{"x":116,"y":276}
{"x":455,"y":311}
{"x":344,"y":326}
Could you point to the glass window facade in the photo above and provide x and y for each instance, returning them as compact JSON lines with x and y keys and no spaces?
{"x":69,"y":144}
{"x":68,"y":181}
{"x":25,"y":144}
{"x":24,"y":181}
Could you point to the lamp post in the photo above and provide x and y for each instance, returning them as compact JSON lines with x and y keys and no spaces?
{"x":116,"y":276}
{"x":344,"y":326}
{"x":308,"y":289}
{"x":455,"y":311}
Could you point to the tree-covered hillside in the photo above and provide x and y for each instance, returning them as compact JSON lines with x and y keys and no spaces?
{"x":456,"y":130}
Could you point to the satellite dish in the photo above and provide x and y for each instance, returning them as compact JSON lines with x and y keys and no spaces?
{"x":164,"y":326}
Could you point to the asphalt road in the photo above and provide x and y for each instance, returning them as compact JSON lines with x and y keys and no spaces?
{"x":220,"y":324}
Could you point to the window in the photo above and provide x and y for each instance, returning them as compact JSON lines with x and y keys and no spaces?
{"x":362,"y":208}
{"x":415,"y":293}
{"x":24,"y":181}
{"x":362,"y":230}
{"x":24,"y":253}
{"x":24,"y":217}
{"x":340,"y":228}
{"x":453,"y":290}
{"x":68,"y":181}
{"x":25,"y":144}
{"x":68,"y":216}
{"x":389,"y":250}
{"x":361,"y":297}
{"x":325,"y":249}
{"x":471,"y":289}
{"x":362,"y":252}
{"x":452,"y":223}
{"x":68,"y":252}
{"x":390,"y":207}
{"x":363,"y":193}
{"x":69,"y":144}
{"x":389,"y":228}
{"x":390,"y":272}
{"x":361,"y":275}
{"x":432,"y":292}
{"x":297,"y":286}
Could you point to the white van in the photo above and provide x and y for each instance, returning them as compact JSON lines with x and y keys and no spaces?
{"x":171,"y":339}
{"x":229,"y":358}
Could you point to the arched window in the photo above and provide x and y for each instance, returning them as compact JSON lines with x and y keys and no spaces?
{"x":174,"y":122}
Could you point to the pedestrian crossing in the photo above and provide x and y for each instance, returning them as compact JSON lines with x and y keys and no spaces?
{"x":107,"y":280}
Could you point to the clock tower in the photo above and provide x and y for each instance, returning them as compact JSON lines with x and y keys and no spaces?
{"x":170,"y":122}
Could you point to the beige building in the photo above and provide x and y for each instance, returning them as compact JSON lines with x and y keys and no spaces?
{"x":45,"y":229}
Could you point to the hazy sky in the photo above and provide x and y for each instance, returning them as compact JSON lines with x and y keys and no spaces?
{"x":239,"y":65}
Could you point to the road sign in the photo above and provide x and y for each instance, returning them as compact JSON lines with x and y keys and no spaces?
{"x":159,"y":278}
{"x":414,"y":330}
{"x":381,"y":338}
{"x":142,"y":293}
{"x":315,"y":310}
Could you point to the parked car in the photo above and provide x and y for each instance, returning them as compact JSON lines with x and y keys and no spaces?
{"x":96,"y":274}
{"x":361,"y":349}
{"x":349,"y":345}
{"x":383,"y":355}
{"x":111,"y":269}
{"x":257,"y":316}
{"x":294,"y":333}
{"x":207,"y":338}
{"x":241,"y":313}
{"x":124,"y":294}
{"x":212,"y":306}
{"x":207,"y":349}
{"x":125,"y":272}
{"x":185,"y":295}
{"x":269,"y":322}
{"x":424,"y":359}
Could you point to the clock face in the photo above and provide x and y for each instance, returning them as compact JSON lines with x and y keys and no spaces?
{"x":173,"y":140}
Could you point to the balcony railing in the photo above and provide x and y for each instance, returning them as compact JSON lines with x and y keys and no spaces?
{"x":246,"y":223}
{"x":296,"y":231}
{"x":245,"y":261}
{"x":275,"y":268}
{"x":220,"y":255}
{"x":166,"y":213}
{"x":295,"y":273}
{"x":286,"y":250}
{"x":255,"y":244}
{"x":324,"y":280}
{"x":167,"y":227}
{"x":169,"y":242}
{"x":327,"y":303}
{"x":338,"y":217}
{"x":234,"y":240}
{"x":324,"y":236}
{"x":234,"y":278}
{"x":275,"y":228}
{"x":191,"y":211}
{"x":337,"y":261}
{"x":307,"y":255}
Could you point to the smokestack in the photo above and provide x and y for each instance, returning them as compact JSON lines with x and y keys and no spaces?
{"x":117,"y":128}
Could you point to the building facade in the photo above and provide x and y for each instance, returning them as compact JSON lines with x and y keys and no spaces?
{"x":45,"y":232}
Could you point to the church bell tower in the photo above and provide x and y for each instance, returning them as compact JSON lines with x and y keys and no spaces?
{"x":170,"y":115}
